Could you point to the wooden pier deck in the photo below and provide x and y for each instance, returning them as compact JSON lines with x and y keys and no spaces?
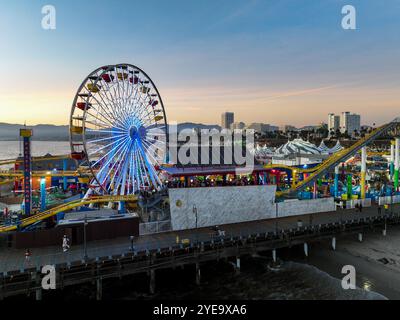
{"x":156,"y":251}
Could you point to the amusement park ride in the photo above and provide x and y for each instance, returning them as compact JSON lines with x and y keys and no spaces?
{"x":118,"y":131}
{"x":119,"y":135}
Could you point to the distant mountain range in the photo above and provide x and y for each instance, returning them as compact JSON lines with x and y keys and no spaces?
{"x":42,"y":132}
{"x":48,"y":132}
{"x":191,"y":125}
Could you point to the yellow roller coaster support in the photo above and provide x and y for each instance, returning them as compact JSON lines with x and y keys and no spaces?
{"x":5,"y":181}
{"x":339,"y":157}
{"x":65,"y":207}
{"x":39,"y":174}
{"x":294,"y":177}
{"x":362,"y":185}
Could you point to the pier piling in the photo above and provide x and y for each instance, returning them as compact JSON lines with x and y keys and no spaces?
{"x":333,"y":243}
{"x":99,"y":289}
{"x":198,"y":274}
{"x":38,"y":290}
{"x":274,"y":255}
{"x":152,"y":281}
{"x":1,"y":288}
{"x":306,"y":249}
{"x":38,"y":294}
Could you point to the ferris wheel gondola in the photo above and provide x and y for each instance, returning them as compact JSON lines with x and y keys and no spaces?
{"x":118,"y":128}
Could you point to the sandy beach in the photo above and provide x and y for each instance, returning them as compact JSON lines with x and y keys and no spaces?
{"x":376,"y":260}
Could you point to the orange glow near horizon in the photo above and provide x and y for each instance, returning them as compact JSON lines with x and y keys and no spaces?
{"x":299,"y":107}
{"x":275,"y":62}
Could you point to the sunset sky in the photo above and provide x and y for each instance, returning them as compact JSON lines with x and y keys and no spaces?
{"x":278,"y":62}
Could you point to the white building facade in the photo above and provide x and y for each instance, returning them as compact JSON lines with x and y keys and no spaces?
{"x":350,"y":123}
{"x":333,"y":122}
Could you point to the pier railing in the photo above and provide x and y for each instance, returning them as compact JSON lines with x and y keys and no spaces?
{"x":351,"y":204}
{"x":389,"y":200}
{"x":154,"y":227}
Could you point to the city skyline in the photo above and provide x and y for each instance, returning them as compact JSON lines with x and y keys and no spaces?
{"x":313,"y":65}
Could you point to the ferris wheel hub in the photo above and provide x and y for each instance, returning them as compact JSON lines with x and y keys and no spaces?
{"x":133,"y":132}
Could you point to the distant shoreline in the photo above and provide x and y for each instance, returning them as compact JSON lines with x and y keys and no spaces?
{"x":48,"y":139}
{"x":46,"y":132}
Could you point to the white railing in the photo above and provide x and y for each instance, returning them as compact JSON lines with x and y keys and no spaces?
{"x":154,"y":227}
{"x":389,"y":200}
{"x":384,"y":200}
{"x":351,"y":204}
{"x":396,"y":199}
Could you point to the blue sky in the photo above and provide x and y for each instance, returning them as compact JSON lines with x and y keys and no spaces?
{"x":280,"y":62}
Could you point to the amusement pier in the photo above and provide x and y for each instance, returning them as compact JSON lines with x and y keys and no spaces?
{"x":117,"y":205}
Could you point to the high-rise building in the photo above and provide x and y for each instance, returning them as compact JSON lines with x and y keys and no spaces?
{"x":238,"y":126}
{"x":273,"y":128}
{"x":350,"y":123}
{"x":258,"y":127}
{"x":287,"y":128}
{"x":333,"y":122}
{"x":262,"y":127}
{"x":227,"y":118}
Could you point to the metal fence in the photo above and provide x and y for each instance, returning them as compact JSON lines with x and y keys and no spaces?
{"x":364,"y":202}
{"x":396,"y":199}
{"x":154,"y":227}
{"x":389,"y":200}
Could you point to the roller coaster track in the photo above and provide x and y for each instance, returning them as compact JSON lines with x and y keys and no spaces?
{"x":339,"y":157}
{"x":6,"y":181}
{"x":65,"y":207}
{"x":285,"y":167}
{"x":35,"y":159}
{"x":39,"y":174}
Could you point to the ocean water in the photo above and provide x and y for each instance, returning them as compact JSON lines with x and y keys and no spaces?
{"x":257,"y":281}
{"x":11,"y":149}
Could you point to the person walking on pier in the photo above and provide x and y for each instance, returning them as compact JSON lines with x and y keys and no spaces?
{"x":65,"y":244}
{"x":28,"y":256}
{"x":132,"y":242}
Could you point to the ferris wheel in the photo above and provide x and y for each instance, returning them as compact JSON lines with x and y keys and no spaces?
{"x":118,"y":129}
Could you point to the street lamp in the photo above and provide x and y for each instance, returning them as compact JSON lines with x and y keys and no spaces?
{"x":391,"y":203}
{"x":195,"y":213}
{"x":196,"y":217}
{"x":85,"y":223}
{"x":132,"y":240}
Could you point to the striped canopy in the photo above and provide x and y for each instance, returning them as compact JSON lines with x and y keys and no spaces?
{"x":261,"y":152}
{"x":298,"y":146}
{"x":338,"y":147}
{"x":324,"y":149}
